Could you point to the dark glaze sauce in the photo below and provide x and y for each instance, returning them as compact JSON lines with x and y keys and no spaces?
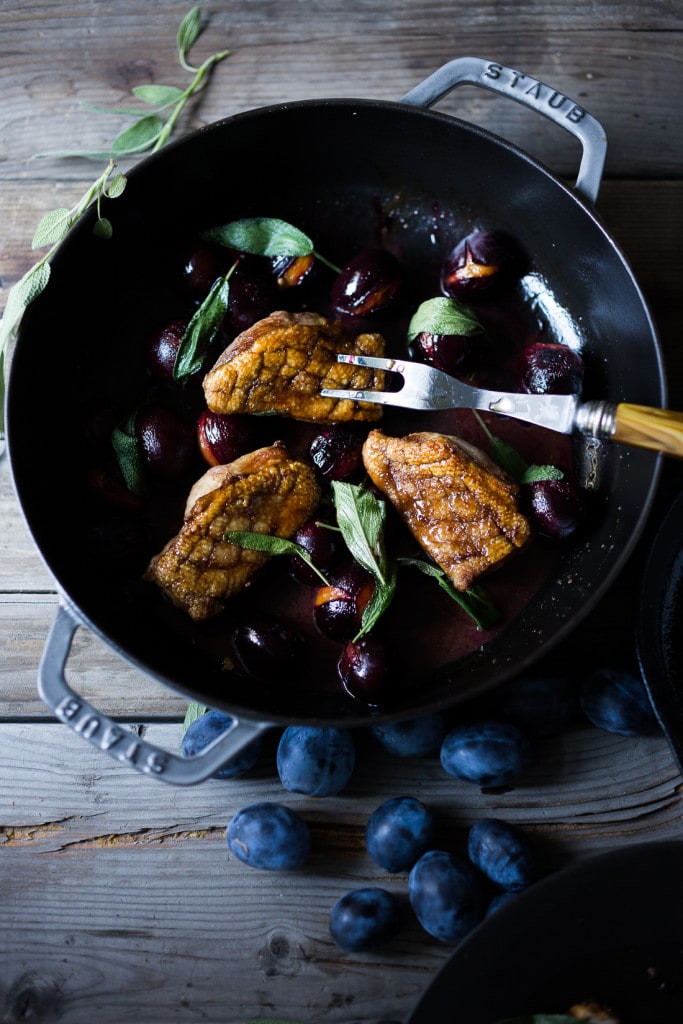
{"x":423,"y":627}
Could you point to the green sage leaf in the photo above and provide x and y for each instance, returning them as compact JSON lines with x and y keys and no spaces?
{"x":202,"y":329}
{"x":158,"y":95}
{"x":262,"y":236}
{"x":194,"y":711}
{"x":128,"y":452}
{"x":20,"y":296}
{"x":103,"y":228}
{"x":52,"y":228}
{"x":271,"y":545}
{"x":139,"y":136}
{"x":535,"y":474}
{"x":188,"y":32}
{"x":474,"y":602}
{"x":361,"y":518}
{"x":442,"y":315}
{"x":116,"y":186}
{"x":508,"y":458}
{"x":379,"y":602}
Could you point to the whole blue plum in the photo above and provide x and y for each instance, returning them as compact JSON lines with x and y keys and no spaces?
{"x":412,"y":737}
{"x":446,"y":894}
{"x":398,"y":832}
{"x":503,"y":853}
{"x":269,"y":836}
{"x":207,"y":728}
{"x":363,"y":918}
{"x":314,"y":760}
{"x":616,"y":700}
{"x":489,"y":753}
{"x":541,"y":703}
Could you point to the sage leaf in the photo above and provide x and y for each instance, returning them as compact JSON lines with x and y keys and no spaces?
{"x":158,"y":95}
{"x":188,"y":32}
{"x":361,"y":517}
{"x":139,"y":136}
{"x":52,"y":228}
{"x":536,"y":474}
{"x":474,"y":601}
{"x":194,"y":711}
{"x":202,"y":329}
{"x":103,"y":228}
{"x":262,"y":236}
{"x":442,"y":315}
{"x":379,"y":602}
{"x":128,"y":452}
{"x":116,"y":186}
{"x":271,"y":545}
{"x":508,"y":458}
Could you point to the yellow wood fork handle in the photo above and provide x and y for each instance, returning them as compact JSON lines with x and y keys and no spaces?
{"x":659,"y":429}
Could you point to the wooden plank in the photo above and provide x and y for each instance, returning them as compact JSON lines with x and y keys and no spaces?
{"x":632,"y":87}
{"x":125,"y":903}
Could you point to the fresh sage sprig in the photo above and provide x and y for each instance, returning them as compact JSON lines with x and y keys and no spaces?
{"x":442,"y":315}
{"x":166,"y":103}
{"x":361,"y":517}
{"x":149,"y":132}
{"x":202,"y":328}
{"x":265,"y":236}
{"x":509,"y":459}
{"x":271,"y":545}
{"x":475,"y":602}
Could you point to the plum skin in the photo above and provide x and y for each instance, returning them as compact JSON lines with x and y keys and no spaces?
{"x":207,"y":728}
{"x":489,"y":753}
{"x":446,"y":895}
{"x":363,"y":918}
{"x":269,"y":836}
{"x":315,"y":761}
{"x":502,"y":853}
{"x":398,"y":832}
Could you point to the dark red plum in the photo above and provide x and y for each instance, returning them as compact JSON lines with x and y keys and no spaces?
{"x":481,"y":264}
{"x":557,"y":507}
{"x":162,"y":348}
{"x":294,"y":271}
{"x":546,"y":368}
{"x":322,"y":545}
{"x":222,"y":438}
{"x":446,"y":352}
{"x":252,"y":296}
{"x":363,"y":668}
{"x":338,"y":608}
{"x":337,"y":454}
{"x":266,"y":647}
{"x":168,"y":442}
{"x":368,"y":283}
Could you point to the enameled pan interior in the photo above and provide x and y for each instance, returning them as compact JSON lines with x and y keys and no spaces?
{"x":327,"y":167}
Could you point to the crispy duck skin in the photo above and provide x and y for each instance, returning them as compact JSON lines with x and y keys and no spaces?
{"x":459,"y":505}
{"x":264,"y":491}
{"x":281,"y":363}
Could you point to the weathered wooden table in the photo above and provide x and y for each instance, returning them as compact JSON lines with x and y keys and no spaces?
{"x":118,"y":900}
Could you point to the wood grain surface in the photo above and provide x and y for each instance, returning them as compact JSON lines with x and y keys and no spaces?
{"x":119,"y":901}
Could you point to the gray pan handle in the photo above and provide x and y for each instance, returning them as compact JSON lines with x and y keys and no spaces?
{"x":531,"y":93}
{"x":114,"y":739}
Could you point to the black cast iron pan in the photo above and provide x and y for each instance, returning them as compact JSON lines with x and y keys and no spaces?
{"x":322,"y":165}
